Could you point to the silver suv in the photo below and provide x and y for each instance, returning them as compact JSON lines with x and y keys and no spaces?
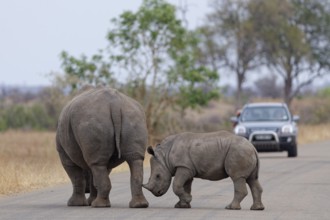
{"x":268,"y":126}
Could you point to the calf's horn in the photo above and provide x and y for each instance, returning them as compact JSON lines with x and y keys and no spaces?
{"x":146,"y":186}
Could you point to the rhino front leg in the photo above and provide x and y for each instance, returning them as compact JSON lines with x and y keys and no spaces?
{"x":138,"y":199}
{"x":239,"y":194}
{"x":187,"y":186}
{"x":182,"y":187}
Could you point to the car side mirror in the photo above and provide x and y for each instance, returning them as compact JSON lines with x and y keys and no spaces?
{"x":296,"y":118}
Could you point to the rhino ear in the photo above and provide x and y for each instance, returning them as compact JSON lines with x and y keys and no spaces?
{"x":151,"y":151}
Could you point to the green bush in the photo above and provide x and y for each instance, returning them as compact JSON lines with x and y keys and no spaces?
{"x":324,"y":93}
{"x":26,"y":116}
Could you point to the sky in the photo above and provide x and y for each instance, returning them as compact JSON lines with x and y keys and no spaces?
{"x":33,"y":33}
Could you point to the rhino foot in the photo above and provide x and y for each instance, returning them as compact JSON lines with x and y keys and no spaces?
{"x":257,"y":206}
{"x":233,"y":207}
{"x":100,"y":203}
{"x":139,"y":202}
{"x":181,"y":204}
{"x":77,"y":200}
{"x":90,"y":200}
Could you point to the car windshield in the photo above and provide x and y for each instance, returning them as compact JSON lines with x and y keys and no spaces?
{"x":265,"y":113}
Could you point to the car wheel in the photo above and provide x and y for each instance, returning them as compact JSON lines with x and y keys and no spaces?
{"x":292,"y":151}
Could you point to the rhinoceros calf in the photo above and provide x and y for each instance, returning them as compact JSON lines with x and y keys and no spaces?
{"x":211,"y":156}
{"x":98,"y":130}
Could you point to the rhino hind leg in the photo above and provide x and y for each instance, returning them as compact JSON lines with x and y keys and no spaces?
{"x":92,"y":190}
{"x":87,"y":176}
{"x":76,"y":175}
{"x":239,"y":195}
{"x":256,"y":191}
{"x":138,"y":198}
{"x":103,"y":185}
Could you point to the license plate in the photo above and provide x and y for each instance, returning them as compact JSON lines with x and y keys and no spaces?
{"x":264,"y":137}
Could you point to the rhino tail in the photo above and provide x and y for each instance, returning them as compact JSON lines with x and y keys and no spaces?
{"x":255,"y":173}
{"x":116,"y":117}
{"x":258,"y":165}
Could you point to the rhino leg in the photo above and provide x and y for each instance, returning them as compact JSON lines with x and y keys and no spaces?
{"x":240,"y":193}
{"x":256,"y":191}
{"x":182,"y":187}
{"x":138,"y":199}
{"x":92,"y":191}
{"x":76,"y":175}
{"x":187,"y":186}
{"x":87,"y":176}
{"x":103,"y":185}
{"x":77,"y":178}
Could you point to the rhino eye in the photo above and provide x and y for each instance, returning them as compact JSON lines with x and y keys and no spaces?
{"x":157,"y":176}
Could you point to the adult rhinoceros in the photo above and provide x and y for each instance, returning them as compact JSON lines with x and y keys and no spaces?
{"x":98,"y":130}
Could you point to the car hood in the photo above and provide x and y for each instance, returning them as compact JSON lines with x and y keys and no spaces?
{"x":264,"y":124}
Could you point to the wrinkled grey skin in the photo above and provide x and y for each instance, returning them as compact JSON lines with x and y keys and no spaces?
{"x":98,"y":130}
{"x":211,"y":156}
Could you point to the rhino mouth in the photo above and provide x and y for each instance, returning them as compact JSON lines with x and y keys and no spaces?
{"x":155,"y":192}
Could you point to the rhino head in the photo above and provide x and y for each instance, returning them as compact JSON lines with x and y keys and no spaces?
{"x":160,"y":177}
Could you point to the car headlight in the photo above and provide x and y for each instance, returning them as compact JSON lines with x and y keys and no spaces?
{"x":287,"y":129}
{"x":239,"y":129}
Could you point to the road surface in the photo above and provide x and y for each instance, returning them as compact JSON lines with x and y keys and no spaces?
{"x":294,"y":188}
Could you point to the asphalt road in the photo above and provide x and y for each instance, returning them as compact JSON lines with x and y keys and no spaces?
{"x":294,"y":188}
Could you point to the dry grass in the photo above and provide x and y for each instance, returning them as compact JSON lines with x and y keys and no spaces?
{"x":28,"y":160}
{"x":313,"y":133}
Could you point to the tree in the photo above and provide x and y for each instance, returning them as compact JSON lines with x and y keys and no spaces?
{"x":294,"y":35}
{"x":156,"y":57}
{"x":79,"y":71}
{"x":229,"y":41}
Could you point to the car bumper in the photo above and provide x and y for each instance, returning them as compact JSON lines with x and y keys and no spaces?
{"x":276,"y":143}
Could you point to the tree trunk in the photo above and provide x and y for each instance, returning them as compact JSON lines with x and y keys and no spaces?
{"x":149,"y":120}
{"x":288,"y":90}
{"x":240,"y":80}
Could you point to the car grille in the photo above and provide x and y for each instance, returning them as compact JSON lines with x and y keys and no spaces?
{"x":266,"y":145}
{"x":257,"y":138}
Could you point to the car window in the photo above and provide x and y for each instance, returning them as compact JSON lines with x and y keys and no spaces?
{"x":271,"y":113}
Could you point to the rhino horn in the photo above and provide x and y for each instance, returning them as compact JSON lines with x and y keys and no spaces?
{"x":146,"y":186}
